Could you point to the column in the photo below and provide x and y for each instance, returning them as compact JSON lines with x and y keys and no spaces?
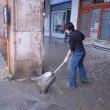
{"x":75,"y":12}
{"x":26,"y":35}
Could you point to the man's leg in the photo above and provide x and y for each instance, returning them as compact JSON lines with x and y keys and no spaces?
{"x":74,"y":63}
{"x":82,"y":69}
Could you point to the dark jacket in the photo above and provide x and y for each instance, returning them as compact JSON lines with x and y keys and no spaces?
{"x":75,"y":41}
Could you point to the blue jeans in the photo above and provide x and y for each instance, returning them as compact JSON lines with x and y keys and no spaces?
{"x":77,"y":61}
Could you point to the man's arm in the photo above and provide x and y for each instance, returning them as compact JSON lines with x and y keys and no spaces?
{"x":69,"y":53}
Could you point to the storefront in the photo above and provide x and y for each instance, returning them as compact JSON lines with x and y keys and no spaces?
{"x":94,"y":19}
{"x":60,"y":13}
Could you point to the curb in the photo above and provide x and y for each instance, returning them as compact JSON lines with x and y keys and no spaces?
{"x":99,"y":46}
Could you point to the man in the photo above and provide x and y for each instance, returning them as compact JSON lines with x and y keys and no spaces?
{"x":78,"y":50}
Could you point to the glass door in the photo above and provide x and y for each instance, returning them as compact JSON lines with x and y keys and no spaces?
{"x":84,"y":22}
{"x":58,"y":21}
{"x":94,"y":23}
{"x":105,"y":28}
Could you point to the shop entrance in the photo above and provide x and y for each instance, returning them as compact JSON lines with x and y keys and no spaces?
{"x":105,"y":27}
{"x":84,"y":21}
{"x":95,"y":20}
{"x":58,"y":20}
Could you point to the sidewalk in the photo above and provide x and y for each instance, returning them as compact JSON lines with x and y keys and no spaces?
{"x":102,"y":44}
{"x":98,"y":43}
{"x":24,"y":95}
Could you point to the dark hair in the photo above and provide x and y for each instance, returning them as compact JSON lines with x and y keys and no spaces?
{"x":69,"y":26}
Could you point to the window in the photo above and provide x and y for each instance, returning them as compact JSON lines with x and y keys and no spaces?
{"x":105,"y":33}
{"x":106,"y":0}
{"x":98,"y":1}
{"x":84,"y":23}
{"x":94,"y":23}
{"x":87,"y":2}
{"x":59,"y":19}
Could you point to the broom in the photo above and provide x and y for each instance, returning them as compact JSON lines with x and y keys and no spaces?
{"x":47,"y":79}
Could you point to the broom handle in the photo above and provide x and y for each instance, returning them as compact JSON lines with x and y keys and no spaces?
{"x":58,"y":68}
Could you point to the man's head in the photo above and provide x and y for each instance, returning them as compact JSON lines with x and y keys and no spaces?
{"x":68,"y":27}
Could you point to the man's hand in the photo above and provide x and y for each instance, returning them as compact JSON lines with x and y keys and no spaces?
{"x":68,"y":55}
{"x":66,"y":59}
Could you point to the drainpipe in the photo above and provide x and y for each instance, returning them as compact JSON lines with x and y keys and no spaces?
{"x":8,"y":41}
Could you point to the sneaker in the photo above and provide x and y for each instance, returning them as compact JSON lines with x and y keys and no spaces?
{"x":68,"y":85}
{"x":84,"y":81}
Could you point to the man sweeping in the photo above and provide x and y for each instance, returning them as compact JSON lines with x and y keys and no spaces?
{"x":76,"y":47}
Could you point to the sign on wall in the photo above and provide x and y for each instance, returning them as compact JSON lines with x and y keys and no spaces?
{"x":5,"y":14}
{"x":53,"y":2}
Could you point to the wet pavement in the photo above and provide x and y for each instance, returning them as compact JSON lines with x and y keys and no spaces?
{"x":24,"y":95}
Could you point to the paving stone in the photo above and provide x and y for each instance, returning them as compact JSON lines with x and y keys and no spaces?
{"x":24,"y":95}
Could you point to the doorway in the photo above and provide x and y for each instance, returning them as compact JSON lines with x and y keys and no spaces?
{"x":94,"y":19}
{"x":58,"y":20}
{"x":84,"y":22}
{"x":105,"y":27}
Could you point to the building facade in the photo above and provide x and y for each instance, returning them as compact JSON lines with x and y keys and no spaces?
{"x":24,"y":35}
{"x":60,"y":11}
{"x":92,"y":17}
